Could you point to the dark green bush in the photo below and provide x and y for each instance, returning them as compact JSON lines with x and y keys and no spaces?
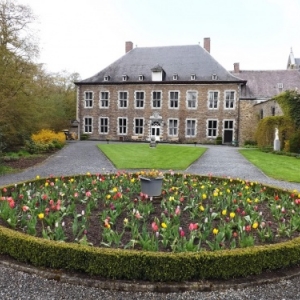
{"x":250,"y":143}
{"x":219,"y":140}
{"x":84,"y":137}
{"x":295,"y":142}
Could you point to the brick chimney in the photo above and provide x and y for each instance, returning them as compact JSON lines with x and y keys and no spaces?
{"x":236,"y":67}
{"x":128,"y":46}
{"x":207,"y":44}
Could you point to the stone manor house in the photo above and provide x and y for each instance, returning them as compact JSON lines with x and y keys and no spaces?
{"x":178,"y":94}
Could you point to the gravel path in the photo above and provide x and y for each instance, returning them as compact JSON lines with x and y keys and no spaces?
{"x":82,"y":157}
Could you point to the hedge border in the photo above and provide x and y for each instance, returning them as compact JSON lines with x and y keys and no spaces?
{"x":149,"y":266}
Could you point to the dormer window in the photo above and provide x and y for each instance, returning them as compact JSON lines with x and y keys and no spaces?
{"x":214,"y":77}
{"x":193,"y":77}
{"x":175,"y":76}
{"x":106,"y":78}
{"x":124,"y":77}
{"x":157,"y":73}
{"x":141,"y":77}
{"x":280,"y":86}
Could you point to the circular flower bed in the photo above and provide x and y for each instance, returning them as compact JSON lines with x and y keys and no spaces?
{"x":103,"y":225}
{"x":193,"y":214}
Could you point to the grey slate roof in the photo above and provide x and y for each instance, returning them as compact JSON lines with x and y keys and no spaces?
{"x":297,"y":62}
{"x":264,"y":84}
{"x":181,"y":60}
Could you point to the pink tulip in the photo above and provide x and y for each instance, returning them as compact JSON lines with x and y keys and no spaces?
{"x":193,"y":226}
{"x":25,"y":208}
{"x":177,"y":211}
{"x":11,"y":203}
{"x":154,"y":226}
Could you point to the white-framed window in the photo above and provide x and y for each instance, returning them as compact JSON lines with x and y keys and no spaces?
{"x":122,"y":126}
{"x":156,"y":99}
{"x":141,"y":77}
{"x":190,"y":128}
{"x":191,"y":99}
{"x":139,"y":126}
{"x":104,"y":99}
{"x":103,"y":125}
{"x":173,"y":127}
{"x":123,"y":98}
{"x":88,"y":99}
{"x":173,"y":99}
{"x":106,"y":78}
{"x":229,"y":99}
{"x":88,"y":125}
{"x":212,"y":128}
{"x":193,"y":77}
{"x":228,"y":124}
{"x":175,"y":76}
{"x":139,"y":99}
{"x":124,"y":77}
{"x":214,"y":77}
{"x":213,"y":99}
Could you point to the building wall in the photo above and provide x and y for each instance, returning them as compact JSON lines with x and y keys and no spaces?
{"x":201,"y":114}
{"x":268,"y":108}
{"x":248,"y":120}
{"x":250,"y":115}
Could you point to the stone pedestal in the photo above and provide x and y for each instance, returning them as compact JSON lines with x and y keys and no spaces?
{"x":276,"y":145}
{"x":152,"y":142}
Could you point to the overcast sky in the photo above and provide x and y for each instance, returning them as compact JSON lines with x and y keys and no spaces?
{"x":85,"y":36}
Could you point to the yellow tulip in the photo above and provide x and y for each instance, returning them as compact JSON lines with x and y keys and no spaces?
{"x":41,"y":216}
{"x":215,"y":231}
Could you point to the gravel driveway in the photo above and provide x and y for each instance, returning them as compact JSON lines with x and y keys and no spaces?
{"x":81,"y":157}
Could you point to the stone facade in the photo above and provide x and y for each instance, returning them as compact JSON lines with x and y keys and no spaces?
{"x":159,"y":118}
{"x":267,"y":109}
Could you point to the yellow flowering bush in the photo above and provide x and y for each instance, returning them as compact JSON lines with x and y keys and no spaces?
{"x":45,"y":141}
{"x":46,"y":136}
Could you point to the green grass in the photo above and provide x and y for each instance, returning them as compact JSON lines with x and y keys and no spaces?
{"x":141,"y":156}
{"x":280,"y":167}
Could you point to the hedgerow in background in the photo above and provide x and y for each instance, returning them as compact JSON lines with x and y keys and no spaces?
{"x":265,"y":131}
{"x":45,"y":140}
{"x":289,"y":102}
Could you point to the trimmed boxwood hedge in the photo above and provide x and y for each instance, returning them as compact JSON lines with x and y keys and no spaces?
{"x":149,"y":266}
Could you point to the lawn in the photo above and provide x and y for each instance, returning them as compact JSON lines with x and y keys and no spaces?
{"x":276,"y":166}
{"x":141,"y":156}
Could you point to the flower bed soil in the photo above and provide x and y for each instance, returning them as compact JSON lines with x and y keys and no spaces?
{"x":96,"y":225}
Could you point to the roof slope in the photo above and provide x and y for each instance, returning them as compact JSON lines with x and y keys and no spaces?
{"x":264,"y":84}
{"x":181,"y":60}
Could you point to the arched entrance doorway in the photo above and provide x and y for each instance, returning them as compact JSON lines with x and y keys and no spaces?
{"x":155,"y":130}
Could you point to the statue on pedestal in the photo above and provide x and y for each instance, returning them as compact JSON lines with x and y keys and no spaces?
{"x":276,"y":140}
